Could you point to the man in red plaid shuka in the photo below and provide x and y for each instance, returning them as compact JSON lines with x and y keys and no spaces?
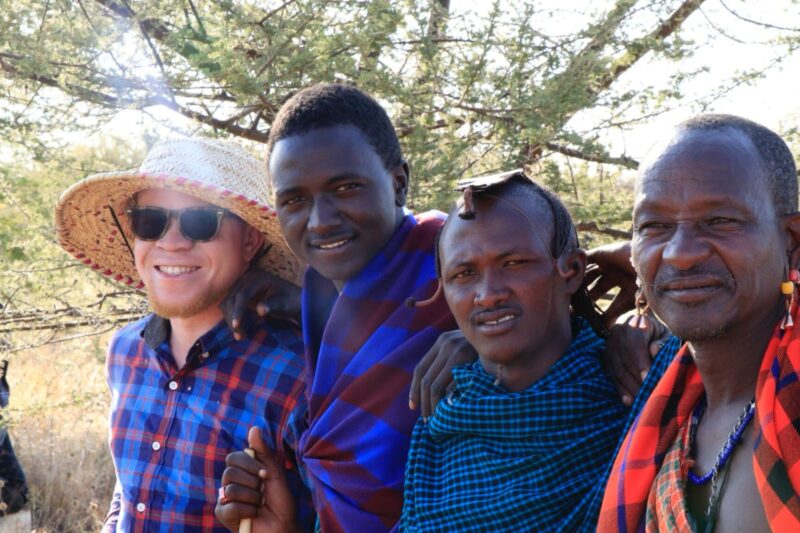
{"x":716,"y":243}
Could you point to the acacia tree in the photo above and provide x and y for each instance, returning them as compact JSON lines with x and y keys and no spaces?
{"x":470,"y":90}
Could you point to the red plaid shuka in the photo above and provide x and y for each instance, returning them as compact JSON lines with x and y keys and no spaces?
{"x":776,"y":458}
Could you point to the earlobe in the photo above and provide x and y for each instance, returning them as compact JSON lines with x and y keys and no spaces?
{"x":572,"y":267}
{"x":792,"y":223}
{"x":400,"y":176}
{"x":253,"y":241}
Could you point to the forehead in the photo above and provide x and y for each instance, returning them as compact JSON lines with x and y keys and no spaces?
{"x":167,"y":198}
{"x":498,"y":226}
{"x":705,"y":168}
{"x":311,"y":158}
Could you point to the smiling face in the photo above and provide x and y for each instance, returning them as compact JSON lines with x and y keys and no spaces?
{"x":501,"y":284}
{"x":183,"y":278}
{"x":337,"y":204}
{"x":707,"y":242}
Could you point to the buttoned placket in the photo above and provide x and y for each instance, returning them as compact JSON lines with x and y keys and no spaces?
{"x":173,"y":389}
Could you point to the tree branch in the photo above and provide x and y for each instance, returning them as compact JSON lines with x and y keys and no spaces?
{"x":624,"y":161}
{"x":592,"y":227}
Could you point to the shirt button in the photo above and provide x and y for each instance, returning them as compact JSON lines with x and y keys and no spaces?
{"x":156,"y":445}
{"x":173,"y":385}
{"x":140,"y":507}
{"x":204,"y":355}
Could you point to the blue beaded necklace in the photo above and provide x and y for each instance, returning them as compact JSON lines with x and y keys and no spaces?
{"x":734,"y":439}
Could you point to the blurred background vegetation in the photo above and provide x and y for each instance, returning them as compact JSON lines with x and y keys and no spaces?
{"x":560,"y":88}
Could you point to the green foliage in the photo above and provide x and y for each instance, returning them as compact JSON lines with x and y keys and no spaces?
{"x":472,"y":88}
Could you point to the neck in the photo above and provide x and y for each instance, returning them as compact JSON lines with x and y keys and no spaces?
{"x":184,"y":331}
{"x":526,"y":369}
{"x":729,"y":364}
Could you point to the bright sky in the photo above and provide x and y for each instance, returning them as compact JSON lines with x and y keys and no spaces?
{"x":726,"y":46}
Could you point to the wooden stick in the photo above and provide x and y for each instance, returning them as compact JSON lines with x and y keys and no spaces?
{"x":247,"y":523}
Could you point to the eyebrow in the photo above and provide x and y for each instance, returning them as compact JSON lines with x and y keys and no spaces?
{"x":726,"y":202}
{"x":345,"y":176}
{"x":513,"y":251}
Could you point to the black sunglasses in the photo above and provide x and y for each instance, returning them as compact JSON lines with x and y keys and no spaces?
{"x":198,"y":224}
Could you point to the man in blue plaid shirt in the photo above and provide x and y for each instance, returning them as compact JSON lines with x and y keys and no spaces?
{"x":528,"y":432}
{"x":185,"y":391}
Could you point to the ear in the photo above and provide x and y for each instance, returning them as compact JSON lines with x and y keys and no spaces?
{"x":571,"y":266}
{"x":400,"y":183}
{"x":791,"y":223}
{"x":253,"y":242}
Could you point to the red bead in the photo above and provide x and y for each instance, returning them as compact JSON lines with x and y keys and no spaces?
{"x":794,"y":275}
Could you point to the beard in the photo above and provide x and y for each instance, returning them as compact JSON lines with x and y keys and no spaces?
{"x":694,"y":332}
{"x":168,"y":309}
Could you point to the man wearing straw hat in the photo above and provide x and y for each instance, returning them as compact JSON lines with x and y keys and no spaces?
{"x":184,"y":391}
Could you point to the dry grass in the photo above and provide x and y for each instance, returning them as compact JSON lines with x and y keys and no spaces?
{"x":57,"y":419}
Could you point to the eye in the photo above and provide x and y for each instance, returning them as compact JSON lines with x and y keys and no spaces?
{"x":292,"y":200}
{"x":344,"y":187}
{"x":719,"y":222}
{"x":515,"y":262}
{"x":651,"y":227}
{"x":462,"y":274}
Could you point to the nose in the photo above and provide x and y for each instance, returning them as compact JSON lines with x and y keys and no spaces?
{"x":173,"y":239}
{"x":323,"y":217}
{"x":491,"y":290}
{"x":685,"y":248}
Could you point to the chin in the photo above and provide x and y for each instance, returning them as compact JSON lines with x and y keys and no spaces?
{"x":183,"y":307}
{"x":337,"y":272}
{"x":698,"y":331}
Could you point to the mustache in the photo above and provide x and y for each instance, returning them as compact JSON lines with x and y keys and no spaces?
{"x":670,"y":274}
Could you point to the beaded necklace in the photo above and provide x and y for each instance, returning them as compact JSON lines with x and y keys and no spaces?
{"x":734,"y":438}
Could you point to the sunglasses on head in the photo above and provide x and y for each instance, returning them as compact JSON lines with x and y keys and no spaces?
{"x":198,"y":224}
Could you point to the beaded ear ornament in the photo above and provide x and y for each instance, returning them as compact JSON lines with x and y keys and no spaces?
{"x":791,"y":278}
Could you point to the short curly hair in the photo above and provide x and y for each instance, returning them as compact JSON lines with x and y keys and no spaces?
{"x":776,"y":157}
{"x":334,"y":104}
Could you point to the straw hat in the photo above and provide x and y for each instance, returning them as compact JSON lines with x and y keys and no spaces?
{"x":217,"y":172}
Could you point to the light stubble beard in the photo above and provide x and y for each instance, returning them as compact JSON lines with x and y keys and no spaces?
{"x":171,"y":310}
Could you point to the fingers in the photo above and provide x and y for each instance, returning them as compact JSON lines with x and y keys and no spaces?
{"x":623,"y":302}
{"x":433,"y":376}
{"x":659,"y":343}
{"x":628,"y":354}
{"x":231,"y":513}
{"x":602,"y":287}
{"x":278,"y":497}
{"x":241,"y":494}
{"x":415,"y":393}
{"x":234,"y":475}
{"x":627,"y":385}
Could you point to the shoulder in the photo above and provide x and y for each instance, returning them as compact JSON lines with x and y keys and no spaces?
{"x":129,"y":335}
{"x":430,"y":220}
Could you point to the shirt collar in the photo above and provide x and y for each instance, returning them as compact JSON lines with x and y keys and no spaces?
{"x":157,"y":329}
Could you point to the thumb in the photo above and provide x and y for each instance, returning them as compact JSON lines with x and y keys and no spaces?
{"x":264,"y":453}
{"x":256,"y":442}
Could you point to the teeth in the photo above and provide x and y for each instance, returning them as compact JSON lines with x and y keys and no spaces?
{"x":333,"y":245}
{"x":176,"y":270}
{"x":499,"y":320}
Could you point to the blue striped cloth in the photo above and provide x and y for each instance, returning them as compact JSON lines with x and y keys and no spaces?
{"x":361,"y":349}
{"x":494,"y":460}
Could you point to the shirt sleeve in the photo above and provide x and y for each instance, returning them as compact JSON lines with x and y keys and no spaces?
{"x":110,"y":522}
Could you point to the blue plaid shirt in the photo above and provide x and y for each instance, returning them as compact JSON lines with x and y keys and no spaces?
{"x":171,"y":429}
{"x":494,"y":460}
